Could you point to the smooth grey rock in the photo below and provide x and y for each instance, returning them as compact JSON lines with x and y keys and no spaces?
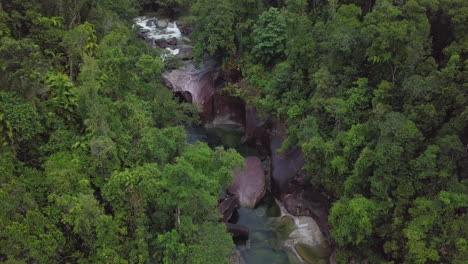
{"x":162,"y":23}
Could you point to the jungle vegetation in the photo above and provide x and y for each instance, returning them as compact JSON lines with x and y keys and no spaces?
{"x":94,"y":166}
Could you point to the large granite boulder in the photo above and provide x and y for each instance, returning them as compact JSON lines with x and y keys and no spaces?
{"x":162,"y":43}
{"x":151,"y":23}
{"x":285,"y":166}
{"x":238,"y":231}
{"x":249,"y":183}
{"x":172,"y":41}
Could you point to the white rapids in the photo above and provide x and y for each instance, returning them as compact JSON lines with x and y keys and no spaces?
{"x":148,"y":24}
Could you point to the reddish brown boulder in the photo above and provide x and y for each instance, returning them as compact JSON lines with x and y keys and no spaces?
{"x":249,"y":183}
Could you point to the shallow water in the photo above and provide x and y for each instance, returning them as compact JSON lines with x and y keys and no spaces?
{"x":267,"y":234}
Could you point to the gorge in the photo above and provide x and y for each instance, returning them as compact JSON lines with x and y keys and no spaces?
{"x":274,"y":213}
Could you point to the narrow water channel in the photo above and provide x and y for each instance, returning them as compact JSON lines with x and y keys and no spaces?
{"x":267,"y":230}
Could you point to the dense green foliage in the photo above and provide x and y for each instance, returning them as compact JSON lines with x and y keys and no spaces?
{"x":94,"y":166}
{"x":375,"y":94}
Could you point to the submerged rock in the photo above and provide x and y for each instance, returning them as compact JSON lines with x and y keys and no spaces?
{"x":310,"y":254}
{"x":238,"y":231}
{"x":249,"y":183}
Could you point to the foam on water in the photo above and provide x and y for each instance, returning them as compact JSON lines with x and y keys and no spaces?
{"x":155,"y":33}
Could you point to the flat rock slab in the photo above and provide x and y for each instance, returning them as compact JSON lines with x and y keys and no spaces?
{"x":249,"y":183}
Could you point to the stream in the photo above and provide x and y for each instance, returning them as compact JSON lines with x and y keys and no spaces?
{"x":267,"y":230}
{"x":274,"y":235}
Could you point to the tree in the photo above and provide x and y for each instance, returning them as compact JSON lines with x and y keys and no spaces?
{"x":79,"y":41}
{"x":269,"y":36}
{"x":214,"y":20}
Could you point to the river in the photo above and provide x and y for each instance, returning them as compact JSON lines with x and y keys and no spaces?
{"x":275,"y":236}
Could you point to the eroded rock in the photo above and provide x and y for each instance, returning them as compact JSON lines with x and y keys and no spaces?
{"x":228,"y":111}
{"x":198,"y":82}
{"x":151,"y":23}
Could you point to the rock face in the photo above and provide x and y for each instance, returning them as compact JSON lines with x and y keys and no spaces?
{"x":249,"y":184}
{"x":254,"y":126}
{"x":172,"y":41}
{"x":198,"y":82}
{"x":239,"y":231}
{"x":228,"y":111}
{"x":285,"y":166}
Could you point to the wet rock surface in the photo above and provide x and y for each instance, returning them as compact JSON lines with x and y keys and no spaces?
{"x":307,"y":240}
{"x":256,"y":133}
{"x":238,"y":231}
{"x":164,"y":43}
